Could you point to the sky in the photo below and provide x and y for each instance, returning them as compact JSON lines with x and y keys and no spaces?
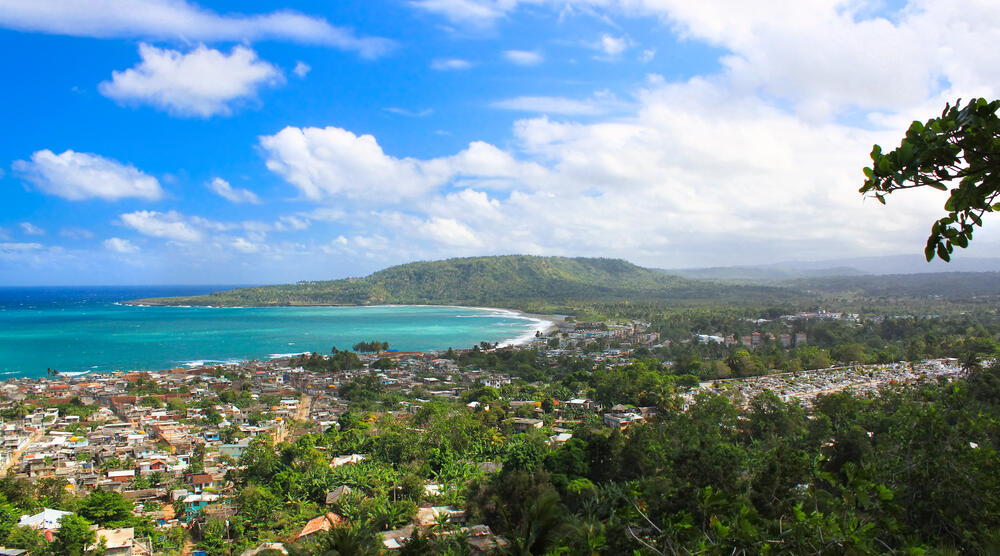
{"x":175,"y":142}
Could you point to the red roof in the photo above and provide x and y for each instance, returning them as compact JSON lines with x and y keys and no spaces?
{"x":321,"y":523}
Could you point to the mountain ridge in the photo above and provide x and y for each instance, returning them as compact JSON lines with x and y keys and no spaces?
{"x":512,"y":281}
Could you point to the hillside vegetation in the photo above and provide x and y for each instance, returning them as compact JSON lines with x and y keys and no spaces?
{"x":610,"y":288}
{"x":517,"y":281}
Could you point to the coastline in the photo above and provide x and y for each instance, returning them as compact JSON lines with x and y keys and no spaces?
{"x":534,"y":325}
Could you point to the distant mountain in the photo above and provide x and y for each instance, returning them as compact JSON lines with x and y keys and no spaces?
{"x":885,"y":265}
{"x":759,"y":274}
{"x":952,"y":286}
{"x":506,"y":281}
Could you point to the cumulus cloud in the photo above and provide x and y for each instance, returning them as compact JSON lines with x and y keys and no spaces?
{"x":523,"y":57}
{"x":119,"y":245}
{"x":77,"y":176}
{"x":222,"y":188}
{"x":204,"y":82}
{"x":167,"y":225}
{"x":696,"y":173}
{"x":610,"y":45}
{"x":31,"y":229}
{"x":334,"y":163}
{"x":450,"y":64}
{"x":178,"y":20}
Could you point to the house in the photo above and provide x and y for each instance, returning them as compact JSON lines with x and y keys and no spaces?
{"x":321,"y":523}
{"x":621,"y":420}
{"x":525,"y":425}
{"x":346,"y":460}
{"x":46,"y":519}
{"x":194,"y":503}
{"x":117,"y":542}
{"x":200,"y":481}
{"x":334,"y":495}
{"x":234,"y":451}
{"x":123,"y":476}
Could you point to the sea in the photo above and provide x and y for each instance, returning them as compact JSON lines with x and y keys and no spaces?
{"x":92,"y":329}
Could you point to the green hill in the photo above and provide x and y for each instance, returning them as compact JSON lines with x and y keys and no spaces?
{"x":516,"y":281}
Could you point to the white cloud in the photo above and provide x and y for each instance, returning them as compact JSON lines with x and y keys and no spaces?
{"x":244,"y":246}
{"x":169,"y":225}
{"x":467,"y":12}
{"x":601,"y":103}
{"x":523,"y":57}
{"x":222,"y":188}
{"x":119,"y":245}
{"x":203,"y":82}
{"x":610,"y":45}
{"x":410,"y":113}
{"x":450,"y":64}
{"x":647,"y":55}
{"x":76,"y":233}
{"x":77,"y":176}
{"x":301,"y":68}
{"x":31,"y":229}
{"x":178,"y":20}
{"x":20,"y":247}
{"x":335,"y":163}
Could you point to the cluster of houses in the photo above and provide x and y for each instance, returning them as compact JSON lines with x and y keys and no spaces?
{"x":151,"y":436}
{"x":804,"y":386}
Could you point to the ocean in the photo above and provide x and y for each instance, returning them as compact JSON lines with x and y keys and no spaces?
{"x":77,"y":329}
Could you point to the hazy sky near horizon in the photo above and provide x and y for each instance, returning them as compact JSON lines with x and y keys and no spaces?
{"x":173,"y":141}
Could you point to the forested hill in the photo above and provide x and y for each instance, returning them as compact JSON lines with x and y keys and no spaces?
{"x":516,"y":281}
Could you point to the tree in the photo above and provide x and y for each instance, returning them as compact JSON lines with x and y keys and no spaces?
{"x":74,"y":536}
{"x":28,"y":539}
{"x":962,"y":145}
{"x":105,"y":507}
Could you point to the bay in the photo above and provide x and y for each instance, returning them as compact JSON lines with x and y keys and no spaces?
{"x":89,"y":329}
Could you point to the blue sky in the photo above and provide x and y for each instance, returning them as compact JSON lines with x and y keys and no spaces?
{"x":167,"y":141}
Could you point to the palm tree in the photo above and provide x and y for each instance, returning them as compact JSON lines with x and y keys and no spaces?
{"x":541,"y":526}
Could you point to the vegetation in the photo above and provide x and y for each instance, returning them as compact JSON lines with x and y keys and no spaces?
{"x":963,"y":146}
{"x":510,"y":281}
{"x":912,"y":470}
{"x":599,"y":289}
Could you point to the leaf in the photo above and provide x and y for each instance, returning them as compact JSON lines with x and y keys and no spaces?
{"x":884,"y":493}
{"x":942,"y":253}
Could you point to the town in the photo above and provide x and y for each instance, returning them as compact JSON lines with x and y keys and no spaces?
{"x":169,"y":443}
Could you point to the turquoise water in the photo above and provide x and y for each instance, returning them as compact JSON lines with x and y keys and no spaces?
{"x":83,"y":329}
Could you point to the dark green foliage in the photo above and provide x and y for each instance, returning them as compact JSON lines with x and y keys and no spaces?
{"x":962,"y":145}
{"x":106,"y":508}
{"x":74,"y":536}
{"x":370,"y":347}
{"x":337,"y":361}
